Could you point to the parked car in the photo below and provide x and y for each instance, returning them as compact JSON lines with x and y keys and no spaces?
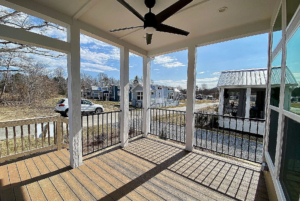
{"x":62,"y":107}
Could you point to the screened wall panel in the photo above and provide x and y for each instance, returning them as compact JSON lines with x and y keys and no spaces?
{"x":273,"y":134}
{"x":290,"y":163}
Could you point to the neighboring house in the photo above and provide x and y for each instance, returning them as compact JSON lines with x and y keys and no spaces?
{"x":161,"y":96}
{"x":243,"y":93}
{"x":91,"y":93}
{"x":110,"y":93}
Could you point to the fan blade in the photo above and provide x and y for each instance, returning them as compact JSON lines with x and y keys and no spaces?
{"x":122,"y":29}
{"x":148,"y":38}
{"x":168,"y":12}
{"x":126,"y":5}
{"x":170,"y":29}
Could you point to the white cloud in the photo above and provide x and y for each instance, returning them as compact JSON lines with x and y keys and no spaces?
{"x":84,"y":39}
{"x":168,"y":62}
{"x":201,"y":72}
{"x":96,"y":67}
{"x":208,"y":79}
{"x":155,"y":69}
{"x":216,"y":73}
{"x":130,"y":66}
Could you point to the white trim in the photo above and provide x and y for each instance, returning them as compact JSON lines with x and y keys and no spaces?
{"x":276,"y":182}
{"x":241,"y":86}
{"x":291,"y":115}
{"x":274,"y":108}
{"x":85,"y":8}
{"x":52,"y":15}
{"x":29,"y":38}
{"x":217,"y":37}
{"x":277,"y":50}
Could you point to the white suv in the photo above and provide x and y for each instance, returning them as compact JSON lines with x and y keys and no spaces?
{"x":62,"y":107}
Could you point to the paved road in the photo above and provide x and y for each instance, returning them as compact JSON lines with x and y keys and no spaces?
{"x":108,"y":118}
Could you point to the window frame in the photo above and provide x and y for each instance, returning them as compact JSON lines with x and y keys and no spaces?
{"x":287,"y":33}
{"x":139,"y":95}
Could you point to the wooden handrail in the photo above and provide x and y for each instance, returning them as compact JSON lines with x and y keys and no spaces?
{"x":23,"y":148}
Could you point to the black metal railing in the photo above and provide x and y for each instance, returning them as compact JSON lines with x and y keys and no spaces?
{"x":168,"y":124}
{"x":100,"y":131}
{"x":234,"y":136}
{"x":135,"y":122}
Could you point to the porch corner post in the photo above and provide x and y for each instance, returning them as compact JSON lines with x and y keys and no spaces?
{"x":248,"y":103}
{"x":190,"y":106}
{"x":74,"y":96}
{"x":124,"y":87}
{"x":146,"y":95}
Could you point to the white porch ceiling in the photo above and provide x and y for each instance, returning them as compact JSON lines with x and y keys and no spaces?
{"x":201,"y":18}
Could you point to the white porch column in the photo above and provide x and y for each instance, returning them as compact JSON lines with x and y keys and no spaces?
{"x":221,"y":101}
{"x":124,"y":87}
{"x":248,"y":103}
{"x":190,"y":106}
{"x":74,"y":92}
{"x":146,"y":95}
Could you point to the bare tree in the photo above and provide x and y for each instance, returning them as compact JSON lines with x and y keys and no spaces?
{"x":59,"y":78}
{"x":14,"y":54}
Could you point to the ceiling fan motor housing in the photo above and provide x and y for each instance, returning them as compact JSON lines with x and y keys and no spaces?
{"x":150,"y":21}
{"x":150,"y":3}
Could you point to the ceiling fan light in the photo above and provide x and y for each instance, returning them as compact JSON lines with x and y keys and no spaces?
{"x":150,"y":30}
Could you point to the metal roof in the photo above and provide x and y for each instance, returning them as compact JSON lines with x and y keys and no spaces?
{"x":254,"y":77}
{"x":250,"y":77}
{"x":276,"y":77}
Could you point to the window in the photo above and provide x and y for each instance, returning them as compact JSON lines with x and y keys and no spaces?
{"x":139,"y":95}
{"x":276,"y":80}
{"x":159,"y":88}
{"x":277,"y":30}
{"x":273,"y":134}
{"x":235,"y":102}
{"x":170,"y":95}
{"x":152,"y":93}
{"x":290,"y":163}
{"x":257,"y":103}
{"x":292,"y":73}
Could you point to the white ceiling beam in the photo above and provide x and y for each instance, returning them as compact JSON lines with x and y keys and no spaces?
{"x":35,"y":9}
{"x":217,"y":37}
{"x":28,"y":38}
{"x":108,"y":38}
{"x":85,"y":8}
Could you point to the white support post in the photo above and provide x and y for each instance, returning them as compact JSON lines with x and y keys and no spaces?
{"x":124,"y":87}
{"x":190,"y":106}
{"x":146,"y":95}
{"x":248,"y":103}
{"x":74,"y":92}
{"x":221,"y":103}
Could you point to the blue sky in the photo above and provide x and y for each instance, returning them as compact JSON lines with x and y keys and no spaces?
{"x":169,"y":69}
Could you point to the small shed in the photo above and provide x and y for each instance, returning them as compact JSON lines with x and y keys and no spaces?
{"x":243,"y":92}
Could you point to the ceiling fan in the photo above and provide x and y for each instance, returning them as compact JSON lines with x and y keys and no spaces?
{"x":154,"y":22}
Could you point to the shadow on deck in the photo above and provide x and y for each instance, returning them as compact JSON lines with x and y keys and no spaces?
{"x":148,"y":169}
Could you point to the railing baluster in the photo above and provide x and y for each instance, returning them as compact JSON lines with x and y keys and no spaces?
{"x":29,"y":140}
{"x":111,"y":133}
{"x":206,"y":132}
{"x":15,"y":140}
{"x":7,"y":142}
{"x":180,"y":125}
{"x":249,"y":139}
{"x":67,"y":133}
{"x":235,"y":136}
{"x":256,"y":142}
{"x":35,"y":133}
{"x":229,"y":134}
{"x":115,"y":128}
{"x":49,"y":134}
{"x":223,"y":134}
{"x":176,"y":126}
{"x":42,"y":130}
{"x":82,"y":139}
{"x":102,"y":131}
{"x":242,"y":138}
{"x":107,"y":129}
{"x":93,"y":132}
{"x":88,"y":134}
{"x":22,"y":138}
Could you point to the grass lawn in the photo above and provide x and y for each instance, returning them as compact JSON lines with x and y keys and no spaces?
{"x":296,"y":105}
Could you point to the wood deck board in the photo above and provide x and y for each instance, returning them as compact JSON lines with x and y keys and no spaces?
{"x":145,"y":170}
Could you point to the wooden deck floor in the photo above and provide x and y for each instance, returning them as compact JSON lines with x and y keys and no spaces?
{"x":147,"y":169}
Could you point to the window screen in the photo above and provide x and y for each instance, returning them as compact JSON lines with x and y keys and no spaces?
{"x":290,"y":163}
{"x":273,"y":134}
